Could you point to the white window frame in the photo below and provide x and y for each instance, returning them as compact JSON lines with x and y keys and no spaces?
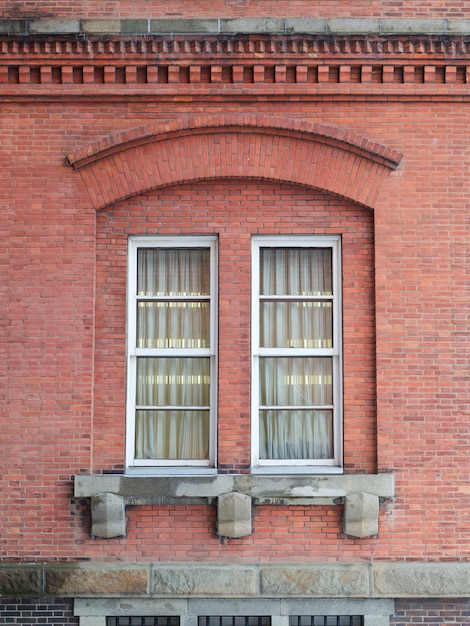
{"x":136,"y":243}
{"x":333,"y":465}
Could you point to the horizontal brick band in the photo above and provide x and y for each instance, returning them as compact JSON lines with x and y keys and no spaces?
{"x":34,"y":64}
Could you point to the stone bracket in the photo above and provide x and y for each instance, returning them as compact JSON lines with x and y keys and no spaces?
{"x":361,"y":515}
{"x":108,"y":516}
{"x":234,"y":495}
{"x":233,"y":515}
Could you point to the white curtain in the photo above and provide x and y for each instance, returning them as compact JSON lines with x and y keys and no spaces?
{"x":173,"y":272}
{"x":301,"y":432}
{"x":176,"y":317}
{"x":296,"y":271}
{"x":293,"y":390}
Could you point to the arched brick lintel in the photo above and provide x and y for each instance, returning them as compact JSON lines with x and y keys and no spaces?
{"x":234,"y":146}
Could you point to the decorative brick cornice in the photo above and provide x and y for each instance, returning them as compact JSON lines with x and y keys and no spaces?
{"x":237,"y":46}
{"x":308,"y":63}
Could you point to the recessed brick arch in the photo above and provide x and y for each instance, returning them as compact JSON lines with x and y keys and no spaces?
{"x":199,"y":147}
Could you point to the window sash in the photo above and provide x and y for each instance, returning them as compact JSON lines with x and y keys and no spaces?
{"x":171,"y":392}
{"x":296,"y":410}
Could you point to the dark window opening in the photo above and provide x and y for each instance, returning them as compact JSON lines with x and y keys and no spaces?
{"x":326,"y":620}
{"x":143,"y":621}
{"x":211,"y":620}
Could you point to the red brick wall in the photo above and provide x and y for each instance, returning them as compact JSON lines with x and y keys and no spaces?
{"x":31,"y":612}
{"x":53,"y":396}
{"x":433,"y":612}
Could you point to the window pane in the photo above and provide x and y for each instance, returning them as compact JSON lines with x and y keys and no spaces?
{"x":173,"y":382}
{"x":296,"y":381}
{"x":296,"y":324}
{"x":296,"y":271}
{"x":296,"y":434}
{"x":173,"y":324}
{"x":172,"y":435}
{"x":173,"y":272}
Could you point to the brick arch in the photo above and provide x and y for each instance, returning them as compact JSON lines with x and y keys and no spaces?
{"x":203,"y":147}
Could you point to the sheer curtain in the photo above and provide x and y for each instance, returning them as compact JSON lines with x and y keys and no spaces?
{"x":296,"y":392}
{"x":172,"y":392}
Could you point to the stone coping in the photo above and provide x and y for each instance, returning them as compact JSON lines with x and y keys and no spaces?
{"x":237,"y":580}
{"x":294,"y":489}
{"x":218,"y":26}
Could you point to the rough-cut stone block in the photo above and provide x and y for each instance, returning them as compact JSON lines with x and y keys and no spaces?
{"x":108,"y":515}
{"x":18,"y":581}
{"x":96,"y":580}
{"x":234,"y":515}
{"x":315,"y":580}
{"x":204,"y":581}
{"x":361,"y":515}
{"x":421,"y":580}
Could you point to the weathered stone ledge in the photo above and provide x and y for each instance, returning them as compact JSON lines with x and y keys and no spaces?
{"x":214,"y":26}
{"x":234,"y":495}
{"x":237,"y":580}
{"x":294,"y":489}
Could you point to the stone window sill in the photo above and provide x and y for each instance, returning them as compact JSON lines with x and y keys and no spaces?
{"x":234,"y":495}
{"x":262,"y":489}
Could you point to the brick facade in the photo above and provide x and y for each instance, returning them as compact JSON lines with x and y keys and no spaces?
{"x":32,"y":612}
{"x":235,"y":121}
